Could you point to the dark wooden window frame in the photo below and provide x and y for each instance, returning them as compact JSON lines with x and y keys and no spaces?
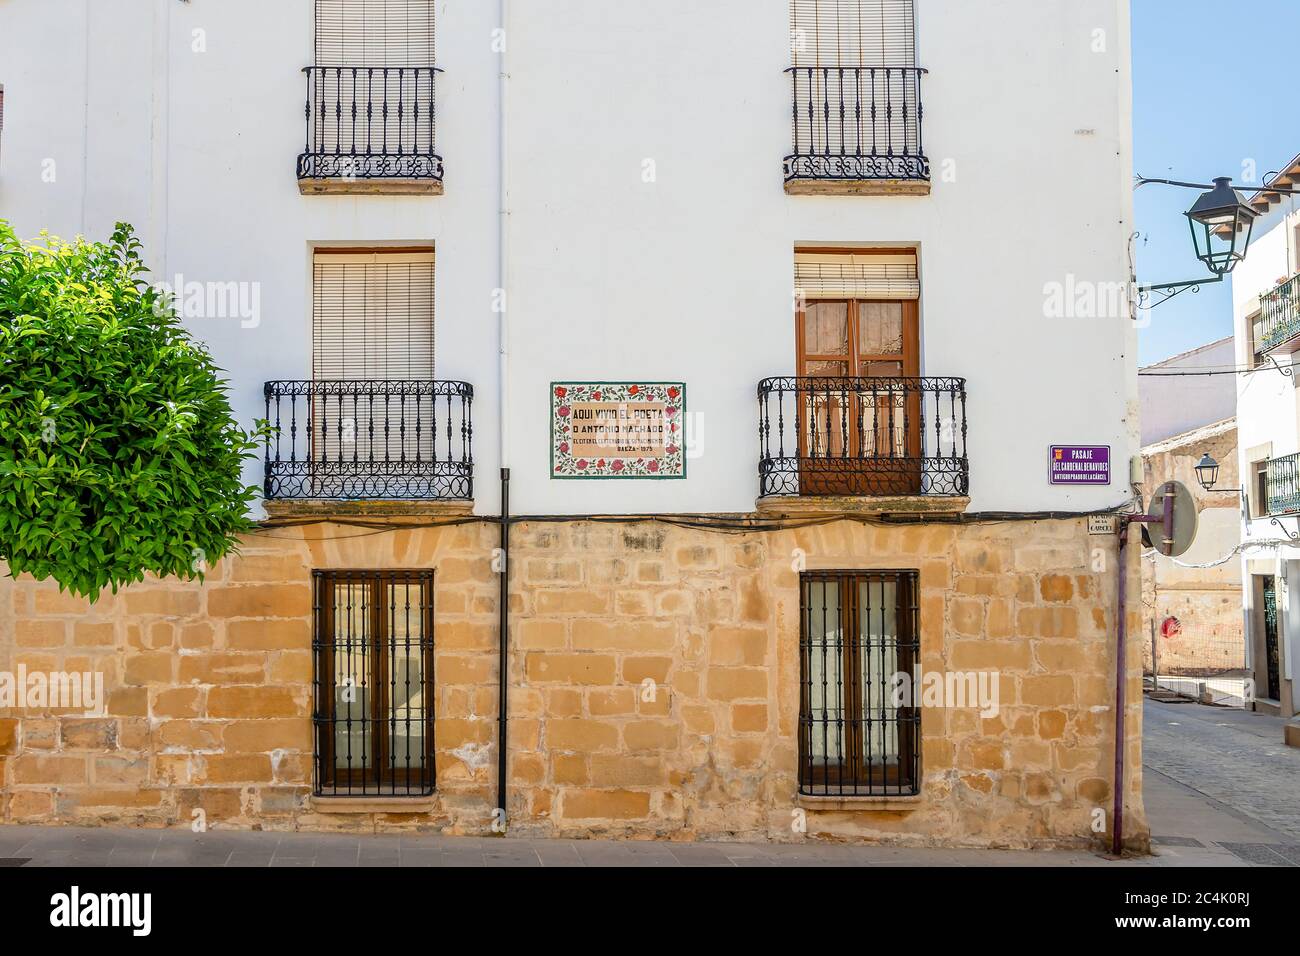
{"x":854,"y":774}
{"x":382,"y":777}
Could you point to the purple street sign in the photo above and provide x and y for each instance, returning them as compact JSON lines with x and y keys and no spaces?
{"x":1080,"y":465}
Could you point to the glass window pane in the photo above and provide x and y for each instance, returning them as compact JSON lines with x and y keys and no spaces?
{"x":826,"y":328}
{"x":405,"y":678}
{"x":352,"y":690}
{"x":878,"y":648}
{"x":825,"y":672}
{"x":880,"y":328}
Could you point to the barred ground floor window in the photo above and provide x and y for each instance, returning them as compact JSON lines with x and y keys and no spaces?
{"x":373,"y":683}
{"x":859,"y":630}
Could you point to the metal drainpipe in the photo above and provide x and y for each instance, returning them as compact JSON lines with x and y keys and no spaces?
{"x":503,"y":385}
{"x":1117,"y":843}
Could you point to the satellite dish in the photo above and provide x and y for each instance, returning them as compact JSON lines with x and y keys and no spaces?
{"x":1186,"y":519}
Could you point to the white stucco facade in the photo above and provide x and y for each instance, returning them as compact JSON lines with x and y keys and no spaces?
{"x":185,"y":119}
{"x":1267,"y":429}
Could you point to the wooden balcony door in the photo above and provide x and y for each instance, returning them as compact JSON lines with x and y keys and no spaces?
{"x":856,"y":439}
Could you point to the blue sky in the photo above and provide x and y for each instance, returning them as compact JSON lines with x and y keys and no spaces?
{"x":1210,"y":90}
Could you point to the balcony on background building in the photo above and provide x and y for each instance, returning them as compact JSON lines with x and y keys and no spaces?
{"x":1282,"y":479}
{"x":895,"y":438}
{"x":1279,"y":327}
{"x":369,"y":441}
{"x":370,"y":130}
{"x":857,"y":130}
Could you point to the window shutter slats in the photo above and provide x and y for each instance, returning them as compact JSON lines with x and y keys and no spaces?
{"x":848,"y":276}
{"x":374,"y":33}
{"x":853,"y":33}
{"x":372,"y":316}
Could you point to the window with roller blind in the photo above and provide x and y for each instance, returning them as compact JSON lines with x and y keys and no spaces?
{"x":857,"y":92}
{"x":848,"y":33}
{"x":372,"y":321}
{"x":371,"y":95}
{"x":372,"y":315}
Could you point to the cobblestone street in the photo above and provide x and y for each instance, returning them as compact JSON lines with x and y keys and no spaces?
{"x":1223,"y":779}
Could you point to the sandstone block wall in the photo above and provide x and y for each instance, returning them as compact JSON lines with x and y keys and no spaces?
{"x":209,"y":685}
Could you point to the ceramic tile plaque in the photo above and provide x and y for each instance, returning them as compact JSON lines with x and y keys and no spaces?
{"x":617,"y":430}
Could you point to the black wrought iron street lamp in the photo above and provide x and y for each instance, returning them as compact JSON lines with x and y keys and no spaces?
{"x":1222,"y":224}
{"x":1222,"y":217}
{"x":1207,"y":472}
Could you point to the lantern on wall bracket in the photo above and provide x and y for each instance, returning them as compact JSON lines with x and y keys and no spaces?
{"x":1222,"y":225}
{"x":1207,"y":472}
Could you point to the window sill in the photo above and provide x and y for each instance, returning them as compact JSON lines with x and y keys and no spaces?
{"x":895,"y":803}
{"x":370,"y":187}
{"x":845,"y":504}
{"x":313,"y":508}
{"x":374,"y":804}
{"x":857,"y":187}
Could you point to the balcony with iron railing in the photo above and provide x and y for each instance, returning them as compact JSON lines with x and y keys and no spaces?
{"x":863,"y":438}
{"x":1282,"y":481}
{"x":857,"y":130}
{"x":1279,"y":323}
{"x":370,"y":130}
{"x":369,"y":441}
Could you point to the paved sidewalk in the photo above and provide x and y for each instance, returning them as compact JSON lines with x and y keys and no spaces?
{"x":95,"y":847}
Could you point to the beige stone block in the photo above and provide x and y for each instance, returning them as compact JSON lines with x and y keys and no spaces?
{"x":990,"y":655}
{"x":604,"y":805}
{"x":610,"y":770}
{"x":35,"y":633}
{"x":86,"y":634}
{"x":611,"y":702}
{"x":99,"y":733}
{"x":129,"y":702}
{"x":582,"y":735}
{"x":260,"y":601}
{"x":1056,"y":588}
{"x":1048,"y":691}
{"x":265,"y":635}
{"x":634,"y":636}
{"x":48,"y":770}
{"x":465,"y":669}
{"x":554,"y":668}
{"x":222,"y":669}
{"x":651,"y":735}
{"x":639,"y":669}
{"x":737,"y":683}
{"x":254,"y":701}
{"x":177,"y":702}
{"x":749,"y":718}
{"x":149,"y":668}
{"x":730,"y":647}
{"x":569,"y":769}
{"x":172,"y":602}
{"x":572,"y":601}
{"x":1059,"y":622}
{"x":264,"y":736}
{"x":236,"y":768}
{"x":541,"y":635}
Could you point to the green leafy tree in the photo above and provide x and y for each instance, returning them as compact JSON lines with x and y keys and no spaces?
{"x":119,"y":453}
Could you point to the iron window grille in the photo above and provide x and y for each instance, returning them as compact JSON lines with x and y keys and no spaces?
{"x":1279,"y":318}
{"x":373,"y":683}
{"x":858,"y":629}
{"x":862,"y":436}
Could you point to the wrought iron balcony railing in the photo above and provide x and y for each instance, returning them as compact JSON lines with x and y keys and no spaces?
{"x":1282,"y":477}
{"x":857,"y":123}
{"x":367,"y":123}
{"x":369,"y":440}
{"x":862,"y":437}
{"x":1280,"y":316}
